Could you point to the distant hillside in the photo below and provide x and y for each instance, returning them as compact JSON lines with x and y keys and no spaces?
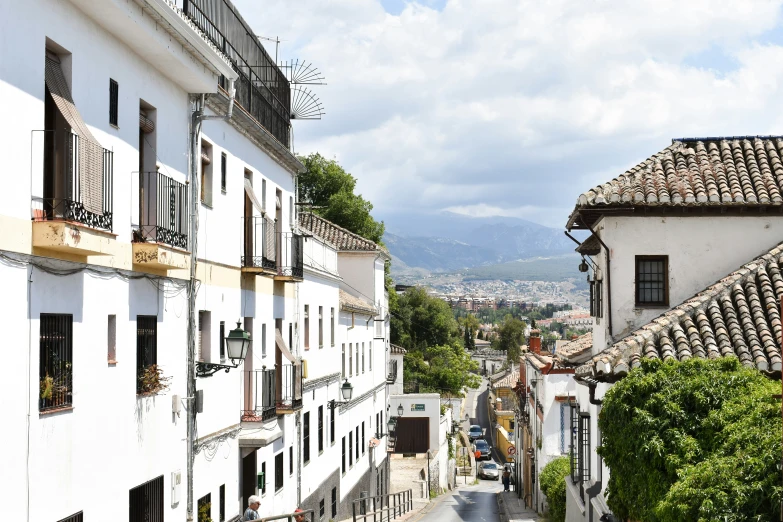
{"x":558,"y":268}
{"x":437,"y":254}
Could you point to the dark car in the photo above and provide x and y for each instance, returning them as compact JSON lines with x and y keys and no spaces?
{"x":482,"y":446}
{"x":475,"y":432}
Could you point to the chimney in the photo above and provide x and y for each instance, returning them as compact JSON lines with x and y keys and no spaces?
{"x":534,"y":342}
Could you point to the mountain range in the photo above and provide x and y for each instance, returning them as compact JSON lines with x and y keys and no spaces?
{"x":446,"y":242}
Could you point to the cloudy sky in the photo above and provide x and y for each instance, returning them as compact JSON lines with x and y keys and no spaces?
{"x":513,"y":108}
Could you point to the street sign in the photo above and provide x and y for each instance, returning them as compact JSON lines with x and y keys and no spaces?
{"x":512,"y":451}
{"x":417,"y":407}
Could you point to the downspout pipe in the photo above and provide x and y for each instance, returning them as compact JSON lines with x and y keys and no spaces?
{"x":231,"y":95}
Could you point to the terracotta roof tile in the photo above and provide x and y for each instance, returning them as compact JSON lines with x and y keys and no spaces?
{"x":341,"y":238}
{"x":351,"y":303}
{"x":739,"y":316}
{"x":397,"y":349}
{"x":572,"y":350}
{"x":729,"y":171}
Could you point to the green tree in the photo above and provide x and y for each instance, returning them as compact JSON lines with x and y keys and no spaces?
{"x":511,"y":335}
{"x":330,"y":190}
{"x":553,"y":485}
{"x":469,"y":324}
{"x":698,"y":440}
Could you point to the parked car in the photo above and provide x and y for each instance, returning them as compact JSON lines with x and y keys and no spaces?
{"x":489,"y":470}
{"x":475,"y":432}
{"x":482,"y":446}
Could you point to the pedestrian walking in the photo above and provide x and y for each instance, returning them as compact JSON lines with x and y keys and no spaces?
{"x":251,"y":513}
{"x":506,"y":478}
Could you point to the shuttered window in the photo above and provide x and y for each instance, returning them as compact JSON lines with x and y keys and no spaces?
{"x":114,"y":90}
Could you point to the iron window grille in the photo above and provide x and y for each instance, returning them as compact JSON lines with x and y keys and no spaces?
{"x":320,"y":429}
{"x":357,"y":444}
{"x":334,"y":503}
{"x":306,"y":438}
{"x":584,"y":446}
{"x":146,"y":502}
{"x":290,"y":460}
{"x":343,"y":455}
{"x":113,"y":102}
{"x":331,"y":428}
{"x":350,"y":449}
{"x":223,"y":172}
{"x":321,"y":509}
{"x":146,"y":346}
{"x":279,"y":471}
{"x":596,"y":298}
{"x":222,"y":513}
{"x":574,"y":428}
{"x":222,"y":341}
{"x":205,"y":504}
{"x":56,"y":361}
{"x":652,"y":281}
{"x":263,"y":475}
{"x":363,"y":445}
{"x":163,"y":211}
{"x":76,"y":517}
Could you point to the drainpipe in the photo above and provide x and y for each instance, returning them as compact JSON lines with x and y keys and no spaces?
{"x":197,"y":118}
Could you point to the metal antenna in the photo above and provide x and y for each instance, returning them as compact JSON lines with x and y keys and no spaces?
{"x":305,"y":105}
{"x":302,"y":73}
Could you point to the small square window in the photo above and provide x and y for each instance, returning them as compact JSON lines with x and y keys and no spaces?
{"x":114,"y":92}
{"x":652,"y":281}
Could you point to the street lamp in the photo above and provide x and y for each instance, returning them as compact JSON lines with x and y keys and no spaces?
{"x":346,"y":390}
{"x":237,"y":343}
{"x":400,"y":410}
{"x":390,"y":425}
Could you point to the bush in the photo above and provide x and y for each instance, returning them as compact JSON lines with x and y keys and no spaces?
{"x":553,"y":485}
{"x":698,"y":440}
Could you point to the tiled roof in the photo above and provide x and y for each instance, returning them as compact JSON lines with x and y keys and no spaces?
{"x":509,"y":381}
{"x":731,"y":171}
{"x":739,"y":316}
{"x":351,"y":303}
{"x":341,"y":238}
{"x":579,"y":347}
{"x":398,"y":349}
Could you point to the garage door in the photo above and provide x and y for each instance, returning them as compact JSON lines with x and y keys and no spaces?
{"x":413,"y":435}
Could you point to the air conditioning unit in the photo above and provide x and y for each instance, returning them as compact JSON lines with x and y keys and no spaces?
{"x":176,"y":481}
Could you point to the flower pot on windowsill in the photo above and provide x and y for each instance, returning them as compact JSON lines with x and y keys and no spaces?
{"x":152,"y":381}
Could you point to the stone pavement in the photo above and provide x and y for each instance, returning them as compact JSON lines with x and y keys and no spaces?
{"x":512,"y":509}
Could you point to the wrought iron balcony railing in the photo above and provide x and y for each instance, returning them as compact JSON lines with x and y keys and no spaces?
{"x":259,"y":249}
{"x":163,"y":210}
{"x":289,"y":387}
{"x":68,"y":193}
{"x":261,"y":89}
{"x":291,"y":255}
{"x":259,"y":395}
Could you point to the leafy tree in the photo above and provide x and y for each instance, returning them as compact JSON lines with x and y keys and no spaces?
{"x":330,"y":190}
{"x":553,"y":485}
{"x":469,"y":325}
{"x":698,"y":440}
{"x":511,"y":335}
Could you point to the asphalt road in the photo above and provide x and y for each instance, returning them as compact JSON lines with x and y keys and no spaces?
{"x":468,"y":504}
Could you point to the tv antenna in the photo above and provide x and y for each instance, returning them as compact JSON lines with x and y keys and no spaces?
{"x":302,"y":73}
{"x":305,"y":105}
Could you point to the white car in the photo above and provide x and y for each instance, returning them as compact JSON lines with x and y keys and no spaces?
{"x":475,"y":432}
{"x":488,"y":470}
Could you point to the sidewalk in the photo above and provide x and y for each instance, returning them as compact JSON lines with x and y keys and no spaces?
{"x":511,"y":509}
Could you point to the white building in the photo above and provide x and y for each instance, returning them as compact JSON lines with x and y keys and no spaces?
{"x":702,"y":210}
{"x":95,"y":253}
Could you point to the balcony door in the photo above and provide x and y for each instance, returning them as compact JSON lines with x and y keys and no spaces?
{"x":249,"y":477}
{"x":248,"y":231}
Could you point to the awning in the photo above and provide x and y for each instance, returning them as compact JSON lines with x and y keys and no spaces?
{"x":252,"y":195}
{"x":90,"y":152}
{"x":590,"y":247}
{"x":282,"y":346}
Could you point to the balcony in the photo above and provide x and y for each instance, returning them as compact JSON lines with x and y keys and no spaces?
{"x":259,"y":396}
{"x":72,"y":210}
{"x":161,"y":241}
{"x":391,"y":376}
{"x":262,"y":89}
{"x":259,"y":251}
{"x":290,"y":266}
{"x":288,"y":383}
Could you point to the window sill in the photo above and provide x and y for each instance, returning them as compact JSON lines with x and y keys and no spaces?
{"x":644,"y":306}
{"x":112,"y":362}
{"x":222,"y":191}
{"x":52,"y":411}
{"x":208,"y":205}
{"x":113,"y":126}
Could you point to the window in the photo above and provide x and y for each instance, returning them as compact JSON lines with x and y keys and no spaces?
{"x":321,"y":509}
{"x":146,"y":350}
{"x":334,"y":503}
{"x":363,"y":445}
{"x":145,"y":502}
{"x":343,"y":360}
{"x":263,"y":478}
{"x":320,"y":429}
{"x":370,"y":357}
{"x":331,"y":428}
{"x":584,"y":446}
{"x":307,"y":327}
{"x":362,"y":357}
{"x":290,"y":460}
{"x":565,"y":413}
{"x":263,"y":195}
{"x":114,"y":91}
{"x":377,"y":425}
{"x":357,"y":358}
{"x":56,"y":361}
{"x":596,"y":298}
{"x":331,"y":332}
{"x":350,"y":359}
{"x":306,"y":438}
{"x":350,"y":449}
{"x":290,"y":335}
{"x":357,"y":443}
{"x":222,"y":513}
{"x":343,"y":455}
{"x":223,"y":172}
{"x":652,"y":281}
{"x":574,"y":427}
{"x":77,"y":517}
{"x":222,"y":341}
{"x":111,"y":341}
{"x":279,"y":471}
{"x":263,"y":340}
{"x":291,"y":211}
{"x":206,"y":173}
{"x":320,"y":327}
{"x":205,"y":505}
{"x":204,"y":335}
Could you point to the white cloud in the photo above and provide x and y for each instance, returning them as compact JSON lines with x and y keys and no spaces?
{"x":518,"y":106}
